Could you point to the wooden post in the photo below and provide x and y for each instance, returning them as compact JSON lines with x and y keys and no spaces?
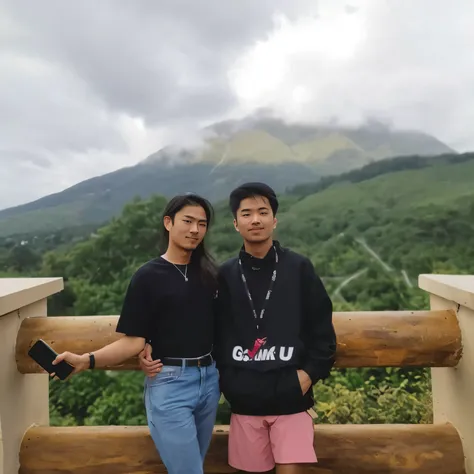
{"x":453,"y":388}
{"x":1,"y":448}
{"x":23,"y":398}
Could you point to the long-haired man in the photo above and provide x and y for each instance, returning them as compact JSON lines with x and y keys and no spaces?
{"x":169,"y":304}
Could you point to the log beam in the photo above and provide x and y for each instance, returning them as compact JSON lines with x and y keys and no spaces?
{"x":365,"y":339}
{"x":361,"y":449}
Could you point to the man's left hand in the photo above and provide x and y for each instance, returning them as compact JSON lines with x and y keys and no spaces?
{"x":147,"y":364}
{"x":305,"y":381}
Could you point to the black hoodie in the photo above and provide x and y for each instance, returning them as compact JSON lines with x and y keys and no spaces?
{"x":297,"y":325}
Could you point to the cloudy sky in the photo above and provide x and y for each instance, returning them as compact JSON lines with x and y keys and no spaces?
{"x":89,"y":87}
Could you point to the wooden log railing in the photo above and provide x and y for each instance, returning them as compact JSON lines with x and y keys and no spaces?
{"x":365,"y":339}
{"x":377,"y":449}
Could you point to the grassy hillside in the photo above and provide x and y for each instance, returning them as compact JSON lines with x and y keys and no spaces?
{"x":259,"y":146}
{"x":393,"y":227}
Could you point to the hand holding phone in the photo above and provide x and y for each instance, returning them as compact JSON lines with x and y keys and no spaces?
{"x":78,"y":362}
{"x":44,"y":356}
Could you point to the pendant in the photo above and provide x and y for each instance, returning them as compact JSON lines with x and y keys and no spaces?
{"x":185,"y":278}
{"x":256,"y":346}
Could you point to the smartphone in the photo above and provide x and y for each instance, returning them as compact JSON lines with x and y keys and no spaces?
{"x":44,"y":356}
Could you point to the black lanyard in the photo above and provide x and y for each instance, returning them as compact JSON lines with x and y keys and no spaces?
{"x":269,"y":292}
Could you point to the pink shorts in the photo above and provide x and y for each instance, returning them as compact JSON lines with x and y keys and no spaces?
{"x":256,"y":443}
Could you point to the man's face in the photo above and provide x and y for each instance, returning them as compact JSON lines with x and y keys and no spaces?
{"x":189,"y":227}
{"x":255,"y":221}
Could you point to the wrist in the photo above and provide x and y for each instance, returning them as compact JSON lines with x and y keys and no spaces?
{"x":86,"y":361}
{"x":311,"y":371}
{"x":306,"y":376}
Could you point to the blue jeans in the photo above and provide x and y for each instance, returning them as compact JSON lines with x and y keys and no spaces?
{"x":181,"y":405}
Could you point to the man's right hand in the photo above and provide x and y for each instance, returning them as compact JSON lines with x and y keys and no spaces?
{"x":147,"y":364}
{"x":79,"y":362}
{"x":305,"y":381}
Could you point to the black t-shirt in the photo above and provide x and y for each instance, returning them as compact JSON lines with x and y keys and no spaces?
{"x":174,"y":315}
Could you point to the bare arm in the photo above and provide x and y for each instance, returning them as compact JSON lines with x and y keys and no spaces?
{"x":112,"y":354}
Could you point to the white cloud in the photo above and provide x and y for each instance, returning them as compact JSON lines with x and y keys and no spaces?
{"x":408,"y":63}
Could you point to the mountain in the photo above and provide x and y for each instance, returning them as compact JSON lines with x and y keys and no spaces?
{"x":231,"y":152}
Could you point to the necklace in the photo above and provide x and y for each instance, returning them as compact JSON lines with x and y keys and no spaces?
{"x":185,"y":274}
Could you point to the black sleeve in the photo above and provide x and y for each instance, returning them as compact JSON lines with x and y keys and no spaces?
{"x":217,"y":329}
{"x":318,"y":330}
{"x":136,"y":311}
{"x":219,"y":322}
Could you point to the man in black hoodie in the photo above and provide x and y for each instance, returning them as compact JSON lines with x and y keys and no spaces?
{"x":275,"y":340}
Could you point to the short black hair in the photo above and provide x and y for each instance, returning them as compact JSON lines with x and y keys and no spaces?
{"x":247,"y":190}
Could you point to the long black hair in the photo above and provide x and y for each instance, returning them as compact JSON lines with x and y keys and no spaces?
{"x":207,"y":265}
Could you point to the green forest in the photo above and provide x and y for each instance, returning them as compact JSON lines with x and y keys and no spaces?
{"x":369,"y":234}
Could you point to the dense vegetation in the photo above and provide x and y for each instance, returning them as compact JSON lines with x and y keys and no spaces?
{"x":368,"y":237}
{"x":377,"y":168}
{"x":21,"y":253}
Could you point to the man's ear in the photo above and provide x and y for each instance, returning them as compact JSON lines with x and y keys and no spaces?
{"x":236,"y":225}
{"x":275,"y":222}
{"x":167,"y":222}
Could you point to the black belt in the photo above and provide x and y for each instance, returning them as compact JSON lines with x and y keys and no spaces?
{"x":201,"y":362}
